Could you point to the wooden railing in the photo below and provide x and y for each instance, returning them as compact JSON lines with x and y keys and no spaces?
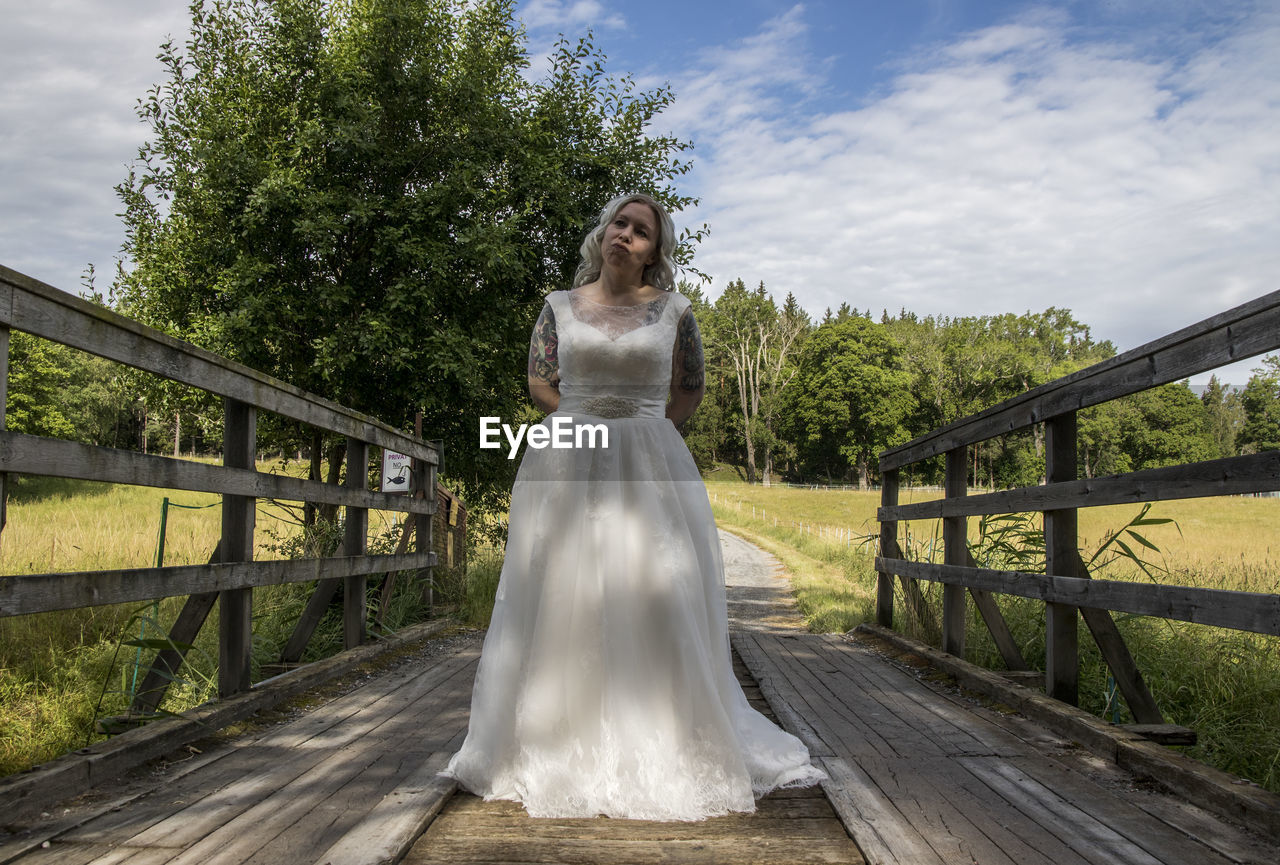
{"x":39,"y":309}
{"x":1066,"y":586}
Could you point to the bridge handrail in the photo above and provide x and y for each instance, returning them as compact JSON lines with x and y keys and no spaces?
{"x":1066,"y":586}
{"x":31,"y":306}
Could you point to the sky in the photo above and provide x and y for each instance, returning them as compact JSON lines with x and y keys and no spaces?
{"x":949,"y":157}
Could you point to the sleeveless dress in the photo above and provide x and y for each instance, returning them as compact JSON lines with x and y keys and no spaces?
{"x":605,"y":684}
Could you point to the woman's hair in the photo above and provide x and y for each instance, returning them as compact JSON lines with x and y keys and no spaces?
{"x":662,"y":273}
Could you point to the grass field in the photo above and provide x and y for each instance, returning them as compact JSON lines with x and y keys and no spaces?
{"x":1223,"y":684}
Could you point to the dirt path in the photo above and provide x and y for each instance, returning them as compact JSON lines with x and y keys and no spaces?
{"x":759,"y":594}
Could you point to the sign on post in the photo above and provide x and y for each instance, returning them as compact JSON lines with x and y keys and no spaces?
{"x":395,"y":472}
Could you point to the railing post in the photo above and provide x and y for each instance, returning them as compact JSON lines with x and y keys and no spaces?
{"x":354,"y":543}
{"x":235,"y":606}
{"x":955,"y":544}
{"x":424,"y":480}
{"x":888,"y":548}
{"x":1062,"y":656}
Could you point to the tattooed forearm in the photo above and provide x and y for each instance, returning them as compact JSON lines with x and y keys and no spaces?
{"x":689,"y":371}
{"x":543,"y":361}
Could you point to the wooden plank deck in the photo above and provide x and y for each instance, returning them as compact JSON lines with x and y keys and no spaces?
{"x":923,"y":775}
{"x":920,"y":774}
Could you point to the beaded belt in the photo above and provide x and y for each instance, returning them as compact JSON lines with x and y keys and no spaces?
{"x":610,"y":406}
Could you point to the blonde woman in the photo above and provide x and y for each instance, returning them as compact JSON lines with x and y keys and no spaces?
{"x":605,"y":686}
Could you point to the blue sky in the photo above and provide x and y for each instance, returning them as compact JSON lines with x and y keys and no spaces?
{"x":953,"y":157}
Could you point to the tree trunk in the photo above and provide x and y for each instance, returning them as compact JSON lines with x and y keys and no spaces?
{"x":864,"y":479}
{"x":337,"y":452}
{"x":177,"y":434}
{"x":309,"y":508}
{"x":746,"y":432}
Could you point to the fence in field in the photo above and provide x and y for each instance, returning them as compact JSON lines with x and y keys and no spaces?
{"x":228,"y":580}
{"x":1066,"y":586}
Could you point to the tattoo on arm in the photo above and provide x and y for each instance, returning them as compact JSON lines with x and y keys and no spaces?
{"x":689,"y":369}
{"x":543,"y":361}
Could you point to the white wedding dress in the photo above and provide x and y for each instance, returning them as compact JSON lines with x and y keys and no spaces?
{"x":605,"y":685}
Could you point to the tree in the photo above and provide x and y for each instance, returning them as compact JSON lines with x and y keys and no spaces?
{"x":758,"y":341}
{"x":853,"y":396}
{"x":1164,"y":426}
{"x":366,"y":198}
{"x":1224,"y":416}
{"x":1261,"y":403}
{"x":40,"y":373}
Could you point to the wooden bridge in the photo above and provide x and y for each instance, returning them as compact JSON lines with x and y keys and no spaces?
{"x":930,"y":759}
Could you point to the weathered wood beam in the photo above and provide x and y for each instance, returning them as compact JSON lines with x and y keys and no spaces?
{"x":239,"y":514}
{"x":354,"y":543}
{"x":1253,"y":473}
{"x":987,"y":607}
{"x":1221,"y":608}
{"x":36,"y":455}
{"x":424,"y":480}
{"x":1247,"y":330}
{"x":41,"y":593}
{"x":164,"y":668}
{"x":4,"y":401}
{"x":312,"y":614}
{"x":40,"y":309}
{"x":888,"y":548}
{"x":955,"y":542}
{"x":1061,"y":553}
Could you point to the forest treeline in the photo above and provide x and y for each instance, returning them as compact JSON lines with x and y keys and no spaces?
{"x":789,"y":398}
{"x":815,"y":401}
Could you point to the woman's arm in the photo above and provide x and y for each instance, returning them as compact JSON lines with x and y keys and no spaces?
{"x":544,"y":365}
{"x":688,"y":375}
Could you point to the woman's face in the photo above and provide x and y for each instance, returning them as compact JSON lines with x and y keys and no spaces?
{"x":631,"y":240}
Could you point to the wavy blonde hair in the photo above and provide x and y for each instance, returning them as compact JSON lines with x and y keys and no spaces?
{"x":662,"y":273}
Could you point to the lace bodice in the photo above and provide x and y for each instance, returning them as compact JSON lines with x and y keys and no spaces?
{"x":616,"y":321}
{"x":613,"y":361}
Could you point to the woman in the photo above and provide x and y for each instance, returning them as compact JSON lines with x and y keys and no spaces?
{"x":605,"y":685}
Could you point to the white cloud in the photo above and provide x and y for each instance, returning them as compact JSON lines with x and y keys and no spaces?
{"x":562,"y":15}
{"x":1017,"y":168}
{"x":70,"y":74}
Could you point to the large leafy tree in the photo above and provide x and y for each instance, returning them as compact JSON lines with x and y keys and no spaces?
{"x":1162,"y":426}
{"x":1261,"y":402}
{"x":367,"y":198}
{"x":853,"y":397}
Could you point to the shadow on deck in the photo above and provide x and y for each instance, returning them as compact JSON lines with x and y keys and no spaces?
{"x":921,"y":774}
